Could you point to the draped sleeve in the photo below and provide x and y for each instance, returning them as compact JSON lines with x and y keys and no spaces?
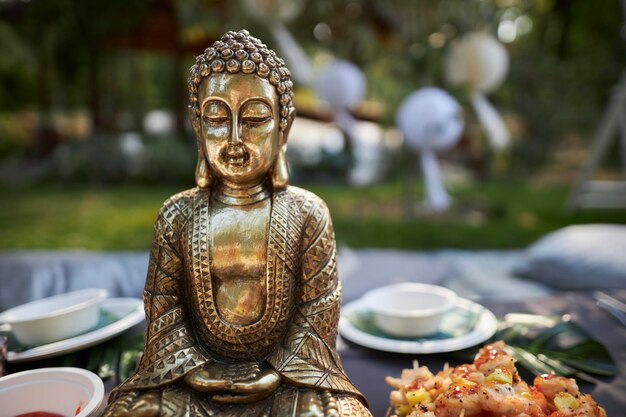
{"x":307,"y":356}
{"x":171,"y":349}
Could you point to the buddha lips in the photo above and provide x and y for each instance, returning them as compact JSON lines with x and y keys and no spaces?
{"x":235,"y":155}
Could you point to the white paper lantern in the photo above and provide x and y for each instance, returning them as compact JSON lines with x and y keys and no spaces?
{"x":341,"y":84}
{"x":430,"y":119}
{"x":268,"y":10}
{"x":479,"y":61}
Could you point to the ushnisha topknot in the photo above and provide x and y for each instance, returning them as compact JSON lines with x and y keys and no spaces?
{"x":239,"y":52}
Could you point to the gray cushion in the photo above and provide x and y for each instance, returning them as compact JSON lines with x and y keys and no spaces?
{"x":579,"y":257}
{"x":30,"y":275}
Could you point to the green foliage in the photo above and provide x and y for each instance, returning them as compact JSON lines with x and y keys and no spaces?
{"x":116,"y":359}
{"x":561,"y":74}
{"x":495,"y":215}
{"x":61,"y":55}
{"x":552,"y":344}
{"x":164,"y":160}
{"x":15,"y":134}
{"x":169,"y":160}
{"x":72,"y":216}
{"x":58,"y":47}
{"x":17,"y":70}
{"x":98,"y":159}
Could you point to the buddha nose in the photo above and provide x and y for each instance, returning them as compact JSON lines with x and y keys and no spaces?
{"x":236,"y":136}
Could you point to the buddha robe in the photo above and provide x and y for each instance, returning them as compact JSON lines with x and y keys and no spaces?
{"x":295,"y":334}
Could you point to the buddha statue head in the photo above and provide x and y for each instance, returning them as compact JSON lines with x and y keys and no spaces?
{"x":241,"y":111}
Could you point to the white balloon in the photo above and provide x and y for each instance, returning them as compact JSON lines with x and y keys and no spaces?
{"x":430,"y":119}
{"x":268,"y":10}
{"x":341,"y":84}
{"x":477,"y":60}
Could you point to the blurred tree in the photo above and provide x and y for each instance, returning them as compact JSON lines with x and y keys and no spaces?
{"x":561,"y":73}
{"x":565,"y":54}
{"x":85,"y":29}
{"x":17,"y":69}
{"x":67,"y":40}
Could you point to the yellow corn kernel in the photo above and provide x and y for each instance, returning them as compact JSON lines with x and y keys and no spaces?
{"x":527,"y":395}
{"x":565,"y":401}
{"x":417,"y":396}
{"x":403,"y":410}
{"x":501,"y":376}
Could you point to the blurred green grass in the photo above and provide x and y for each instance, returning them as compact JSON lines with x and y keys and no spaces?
{"x":494,"y":215}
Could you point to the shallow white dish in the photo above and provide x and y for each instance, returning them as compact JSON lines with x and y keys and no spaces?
{"x":410,"y":309}
{"x":54,"y":390}
{"x":484,"y":327}
{"x":55,"y":318}
{"x":127,"y":312}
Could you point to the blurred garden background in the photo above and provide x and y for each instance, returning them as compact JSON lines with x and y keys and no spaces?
{"x":94,"y":133}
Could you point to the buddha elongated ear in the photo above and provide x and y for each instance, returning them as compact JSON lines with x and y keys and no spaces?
{"x":194,"y":118}
{"x":203,"y":174}
{"x":280,"y":172}
{"x":284,"y":133}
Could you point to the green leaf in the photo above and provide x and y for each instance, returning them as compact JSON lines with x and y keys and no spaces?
{"x":109,"y":363}
{"x":593,"y":365}
{"x":529,"y":360}
{"x":554,"y":344}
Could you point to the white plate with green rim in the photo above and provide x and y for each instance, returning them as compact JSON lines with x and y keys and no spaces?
{"x":467,"y":324}
{"x":116,"y":316}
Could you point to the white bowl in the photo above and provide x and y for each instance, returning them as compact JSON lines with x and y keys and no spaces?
{"x":410,"y":309}
{"x":53,"y":390}
{"x":55,"y":318}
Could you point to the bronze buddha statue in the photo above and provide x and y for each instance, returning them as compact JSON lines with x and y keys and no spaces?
{"x":242,"y":296}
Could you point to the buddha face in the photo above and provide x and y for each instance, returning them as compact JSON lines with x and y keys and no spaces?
{"x":239,"y":126}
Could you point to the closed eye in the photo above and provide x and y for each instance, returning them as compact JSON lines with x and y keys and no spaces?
{"x":214,"y":120}
{"x":255,"y":112}
{"x":256,"y":120}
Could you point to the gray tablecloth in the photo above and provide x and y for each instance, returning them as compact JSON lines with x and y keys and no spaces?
{"x":483,"y":276}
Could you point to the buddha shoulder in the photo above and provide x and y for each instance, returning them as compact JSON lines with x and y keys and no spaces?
{"x":176,"y":210}
{"x":311,"y":206}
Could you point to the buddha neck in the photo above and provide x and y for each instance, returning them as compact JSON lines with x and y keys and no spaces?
{"x":240,"y":195}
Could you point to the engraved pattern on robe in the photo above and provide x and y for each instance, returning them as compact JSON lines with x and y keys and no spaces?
{"x":301,"y":250}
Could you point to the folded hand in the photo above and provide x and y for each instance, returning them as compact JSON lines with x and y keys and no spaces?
{"x":234,"y":383}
